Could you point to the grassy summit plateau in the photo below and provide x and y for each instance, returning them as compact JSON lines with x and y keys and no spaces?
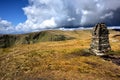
{"x":56,"y":55}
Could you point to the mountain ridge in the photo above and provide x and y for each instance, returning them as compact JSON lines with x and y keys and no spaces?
{"x":8,"y":40}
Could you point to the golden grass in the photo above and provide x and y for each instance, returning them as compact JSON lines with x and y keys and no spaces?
{"x":62,"y":60}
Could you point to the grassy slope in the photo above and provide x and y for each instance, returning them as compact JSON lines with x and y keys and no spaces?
{"x":11,"y":40}
{"x":58,"y":60}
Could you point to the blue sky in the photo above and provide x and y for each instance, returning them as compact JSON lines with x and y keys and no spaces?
{"x":23,"y":16}
{"x":11,"y":10}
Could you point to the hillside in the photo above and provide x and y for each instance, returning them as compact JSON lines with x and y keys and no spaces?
{"x":43,"y":36}
{"x":52,"y":58}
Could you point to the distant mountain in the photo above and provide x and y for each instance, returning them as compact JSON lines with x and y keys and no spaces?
{"x":50,"y":35}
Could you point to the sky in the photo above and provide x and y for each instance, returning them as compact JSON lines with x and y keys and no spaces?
{"x":11,"y":10}
{"x":23,"y":16}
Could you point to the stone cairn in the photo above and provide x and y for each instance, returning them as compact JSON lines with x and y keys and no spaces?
{"x":100,"y":40}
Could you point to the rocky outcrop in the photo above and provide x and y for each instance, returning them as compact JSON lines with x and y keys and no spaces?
{"x":100,"y":40}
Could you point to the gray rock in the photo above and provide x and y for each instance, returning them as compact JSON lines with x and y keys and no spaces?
{"x":100,"y":40}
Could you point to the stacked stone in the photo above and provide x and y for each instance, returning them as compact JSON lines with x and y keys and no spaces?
{"x":100,"y":40}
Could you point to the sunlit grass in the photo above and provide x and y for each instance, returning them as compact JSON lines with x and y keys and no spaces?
{"x":57,"y":60}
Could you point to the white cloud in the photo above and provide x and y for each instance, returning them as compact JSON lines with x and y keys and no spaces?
{"x":71,"y":19}
{"x":4,"y":23}
{"x":48,"y":23}
{"x":46,"y":14}
{"x":80,"y":12}
{"x":6,"y":27}
{"x":107,"y":15}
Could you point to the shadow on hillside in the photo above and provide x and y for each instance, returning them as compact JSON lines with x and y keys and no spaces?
{"x":86,"y":53}
{"x":78,"y":53}
{"x":114,"y":59}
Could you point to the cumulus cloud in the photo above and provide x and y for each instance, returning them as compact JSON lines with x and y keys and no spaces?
{"x":6,"y":27}
{"x":53,"y":13}
{"x":50,"y":14}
